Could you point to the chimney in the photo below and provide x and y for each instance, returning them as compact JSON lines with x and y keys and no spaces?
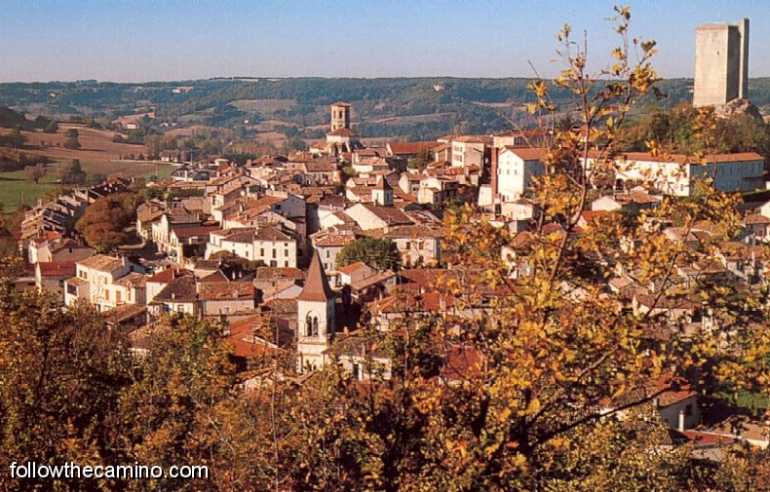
{"x":680,"y":422}
{"x":493,"y":172}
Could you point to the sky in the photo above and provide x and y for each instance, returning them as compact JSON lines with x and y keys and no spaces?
{"x":151,"y":40}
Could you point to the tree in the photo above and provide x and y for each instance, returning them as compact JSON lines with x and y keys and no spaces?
{"x":72,"y":139}
{"x":557,"y":374}
{"x":35,"y":172}
{"x":381,"y":254}
{"x":62,"y":372}
{"x":15,"y":138}
{"x":173,"y":409}
{"x":104,"y":222}
{"x":73,"y":173}
{"x":51,"y":127}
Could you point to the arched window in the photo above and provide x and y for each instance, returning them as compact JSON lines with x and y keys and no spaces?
{"x":315,"y":326}
{"x":309,"y":325}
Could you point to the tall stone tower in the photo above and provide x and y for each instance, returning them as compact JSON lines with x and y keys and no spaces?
{"x":315,"y":318}
{"x":340,"y":116}
{"x":721,"y":63}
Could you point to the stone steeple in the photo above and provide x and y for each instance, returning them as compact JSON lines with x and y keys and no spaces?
{"x":316,"y":287}
{"x":315,"y":318}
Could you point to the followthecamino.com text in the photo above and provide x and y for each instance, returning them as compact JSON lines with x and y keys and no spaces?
{"x":31,"y":470}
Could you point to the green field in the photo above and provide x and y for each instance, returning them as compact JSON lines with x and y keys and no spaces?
{"x":16,"y":189}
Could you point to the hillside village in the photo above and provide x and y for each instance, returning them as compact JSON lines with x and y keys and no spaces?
{"x":300,"y":256}
{"x":288,"y":217}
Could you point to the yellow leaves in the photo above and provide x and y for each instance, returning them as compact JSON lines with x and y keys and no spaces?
{"x":532,"y":408}
{"x":623,"y":11}
{"x":648,"y":47}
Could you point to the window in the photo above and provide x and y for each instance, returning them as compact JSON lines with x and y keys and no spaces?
{"x":327,"y":253}
{"x":286,"y":252}
{"x":118,"y":297}
{"x":286,"y":264}
{"x":262,"y":252}
{"x":311,"y":325}
{"x":356,"y":371}
{"x":273,"y":253}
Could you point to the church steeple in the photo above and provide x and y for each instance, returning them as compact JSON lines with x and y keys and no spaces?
{"x":315,"y":318}
{"x":382,"y":193}
{"x":317,"y":285}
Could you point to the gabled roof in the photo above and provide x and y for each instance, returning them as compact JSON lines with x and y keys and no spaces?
{"x":528,"y":153}
{"x":410,"y":148}
{"x":316,"y":286}
{"x":187,"y":232}
{"x":167,"y":275}
{"x":271,"y":233}
{"x":348,"y":269}
{"x":230,"y":291}
{"x":103,"y":263}
{"x":63,"y":269}
{"x":391,"y":216}
{"x":132,"y":280}
{"x":181,"y":289}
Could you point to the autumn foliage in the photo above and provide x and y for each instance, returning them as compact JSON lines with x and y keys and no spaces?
{"x":104,"y":222}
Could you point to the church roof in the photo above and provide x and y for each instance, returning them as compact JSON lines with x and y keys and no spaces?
{"x":316,"y":286}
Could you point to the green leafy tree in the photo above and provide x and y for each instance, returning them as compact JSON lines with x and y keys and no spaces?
{"x":15,"y":138}
{"x":378,"y":253}
{"x":51,"y":127}
{"x":73,"y":173}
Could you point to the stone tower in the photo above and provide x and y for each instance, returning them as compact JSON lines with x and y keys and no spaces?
{"x":315,"y":318}
{"x":382,"y":193}
{"x":340,"y":116}
{"x":721,"y":63}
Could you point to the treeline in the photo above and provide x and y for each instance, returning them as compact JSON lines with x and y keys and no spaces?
{"x":463,"y":103}
{"x":14,"y":119}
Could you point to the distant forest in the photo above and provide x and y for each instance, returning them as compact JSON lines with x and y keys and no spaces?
{"x":411,"y":107}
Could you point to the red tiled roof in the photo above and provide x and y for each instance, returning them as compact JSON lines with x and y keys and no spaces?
{"x":167,"y":275}
{"x":219,"y":291}
{"x":683,"y":159}
{"x":410,"y":148}
{"x":528,"y":153}
{"x":755,"y":219}
{"x":57,"y":268}
{"x":348,"y":269}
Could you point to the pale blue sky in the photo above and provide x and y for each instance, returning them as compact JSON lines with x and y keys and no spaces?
{"x":141,"y":40}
